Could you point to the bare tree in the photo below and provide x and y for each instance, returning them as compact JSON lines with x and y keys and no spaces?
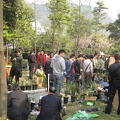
{"x":3,"y":86}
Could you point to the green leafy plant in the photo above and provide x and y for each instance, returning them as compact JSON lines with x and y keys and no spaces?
{"x":93,"y":86}
{"x":59,"y":95}
{"x":105,"y":76}
{"x":40,"y":74}
{"x":66,"y":90}
{"x":33,"y":99}
{"x":90,"y":92}
{"x":73,"y":88}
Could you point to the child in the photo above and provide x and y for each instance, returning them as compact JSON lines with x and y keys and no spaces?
{"x":39,"y":70}
{"x":40,"y":76}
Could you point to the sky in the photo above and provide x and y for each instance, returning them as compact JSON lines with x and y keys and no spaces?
{"x":112,"y":5}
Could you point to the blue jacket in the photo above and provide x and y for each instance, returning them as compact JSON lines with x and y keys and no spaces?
{"x":69,"y":72}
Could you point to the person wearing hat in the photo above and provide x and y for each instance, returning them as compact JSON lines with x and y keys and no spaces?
{"x":16,"y":69}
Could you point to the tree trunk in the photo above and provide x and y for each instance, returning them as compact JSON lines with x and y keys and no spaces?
{"x":3,"y":86}
{"x":53,"y":28}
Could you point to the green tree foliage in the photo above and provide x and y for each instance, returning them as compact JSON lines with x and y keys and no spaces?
{"x":99,"y":15}
{"x":79,"y":28}
{"x":114,"y":36}
{"x":100,"y":42}
{"x":59,"y":17}
{"x":18,"y":19}
{"x":114,"y":28}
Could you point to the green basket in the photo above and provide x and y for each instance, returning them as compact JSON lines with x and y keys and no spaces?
{"x":89,"y":103}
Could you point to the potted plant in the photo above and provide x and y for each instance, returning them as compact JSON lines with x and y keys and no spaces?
{"x":58,"y":94}
{"x":32,"y":103}
{"x":66,"y":91}
{"x":73,"y":89}
{"x":34,"y":86}
{"x":92,"y":91}
{"x":40,"y":79}
{"x":105,"y":76}
{"x":22,"y":85}
{"x":28,"y":85}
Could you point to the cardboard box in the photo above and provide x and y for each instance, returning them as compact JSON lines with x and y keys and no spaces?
{"x":91,"y":101}
{"x":40,"y":82}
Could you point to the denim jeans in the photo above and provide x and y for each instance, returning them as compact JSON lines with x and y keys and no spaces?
{"x":88,"y":79}
{"x":58,"y":81}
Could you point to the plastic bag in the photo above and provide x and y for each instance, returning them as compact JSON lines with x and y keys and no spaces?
{"x":82,"y":115}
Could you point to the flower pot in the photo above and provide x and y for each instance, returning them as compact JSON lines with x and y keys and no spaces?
{"x":73,"y":98}
{"x":22,"y":88}
{"x":32,"y":105}
{"x":65,"y":99}
{"x":95,"y":94}
{"x":35,"y":86}
{"x":9,"y":88}
{"x":28,"y":87}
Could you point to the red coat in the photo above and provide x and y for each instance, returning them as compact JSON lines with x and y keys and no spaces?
{"x":7,"y":74}
{"x":39,"y":59}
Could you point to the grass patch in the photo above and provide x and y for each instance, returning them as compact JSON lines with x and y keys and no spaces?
{"x":73,"y":107}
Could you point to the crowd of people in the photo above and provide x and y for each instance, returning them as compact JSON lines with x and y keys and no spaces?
{"x":59,"y":65}
{"x":71,"y":68}
{"x":79,"y":68}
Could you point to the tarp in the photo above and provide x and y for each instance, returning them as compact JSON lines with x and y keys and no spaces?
{"x":82,"y":115}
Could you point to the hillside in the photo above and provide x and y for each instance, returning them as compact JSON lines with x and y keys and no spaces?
{"x":42,"y":13}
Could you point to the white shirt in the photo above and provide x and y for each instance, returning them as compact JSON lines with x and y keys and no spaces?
{"x":90,"y":67}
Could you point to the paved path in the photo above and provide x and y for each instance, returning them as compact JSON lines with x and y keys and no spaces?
{"x":36,"y":94}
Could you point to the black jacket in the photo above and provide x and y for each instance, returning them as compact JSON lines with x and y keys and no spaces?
{"x":17,"y":104}
{"x":114,"y":72}
{"x":48,"y":69}
{"x":78,"y":65}
{"x":32,"y":60}
{"x":50,"y":108}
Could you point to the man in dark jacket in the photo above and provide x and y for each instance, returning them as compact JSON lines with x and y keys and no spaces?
{"x":70,"y":70}
{"x":16,"y":69}
{"x":114,"y":81}
{"x":50,"y":106}
{"x":17,"y":104}
{"x":78,"y":64}
{"x":32,"y":64}
{"x":49,"y":70}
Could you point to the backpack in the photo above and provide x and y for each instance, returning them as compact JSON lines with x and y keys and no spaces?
{"x":77,"y":66}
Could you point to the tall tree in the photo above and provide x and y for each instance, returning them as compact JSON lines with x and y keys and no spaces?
{"x":99,"y":15}
{"x":114,"y":28}
{"x":3,"y":86}
{"x":80,"y":28}
{"x":23,"y":32}
{"x":59,"y":16}
{"x":18,"y":17}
